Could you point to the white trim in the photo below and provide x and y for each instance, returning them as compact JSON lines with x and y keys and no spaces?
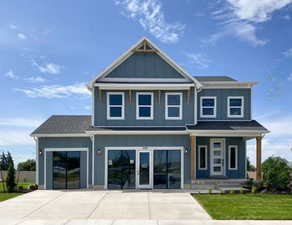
{"x":206,"y":157}
{"x":180,"y":106}
{"x":213,"y":107}
{"x":238,"y":107}
{"x":150,"y":185}
{"x":226,"y":133}
{"x":131,"y":51}
{"x":146,"y":148}
{"x":138,"y":106}
{"x":150,"y":80}
{"x":222,"y":141}
{"x":93,"y":108}
{"x":154,"y":86}
{"x":60,"y":135}
{"x":195,"y":106}
{"x":92,"y":166}
{"x":37,"y":161}
{"x":108,"y":106}
{"x":227,"y":84}
{"x":65,"y":150}
{"x":137,"y":132}
{"x":236,"y":157}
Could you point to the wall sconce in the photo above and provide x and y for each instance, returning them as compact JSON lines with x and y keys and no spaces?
{"x":98,"y":151}
{"x":186,"y":150}
{"x":40,"y":152}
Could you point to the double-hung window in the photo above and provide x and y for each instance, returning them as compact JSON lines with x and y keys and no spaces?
{"x":233,"y":155}
{"x":235,"y":107}
{"x":208,"y":107}
{"x":202,"y":157}
{"x":144,"y":106}
{"x":173,"y":106}
{"x":115,"y":106}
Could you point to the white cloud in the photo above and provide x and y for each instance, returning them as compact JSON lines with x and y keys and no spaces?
{"x":290,"y":77}
{"x":288,"y":53}
{"x":20,"y":122}
{"x":21,"y":36}
{"x":12,"y":138}
{"x":198,"y":59}
{"x":13,"y":27}
{"x":10,"y":74}
{"x":56,"y":91}
{"x":151,"y":17}
{"x":51,"y":68}
{"x":256,"y":10}
{"x":36,"y":79}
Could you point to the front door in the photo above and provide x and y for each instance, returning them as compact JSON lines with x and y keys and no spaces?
{"x":144,"y":173}
{"x":217,"y":157}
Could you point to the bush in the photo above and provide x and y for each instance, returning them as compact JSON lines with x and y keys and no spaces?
{"x":33,"y":187}
{"x":10,"y":180}
{"x":210,"y":190}
{"x":276,"y":174}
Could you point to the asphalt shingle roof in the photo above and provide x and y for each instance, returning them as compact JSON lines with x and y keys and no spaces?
{"x":213,"y":78}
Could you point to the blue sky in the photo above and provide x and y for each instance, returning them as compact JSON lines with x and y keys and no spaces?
{"x":50,"y":49}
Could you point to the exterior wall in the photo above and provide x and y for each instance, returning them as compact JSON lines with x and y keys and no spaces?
{"x":232,"y":174}
{"x":102,"y":141}
{"x":145,"y":65}
{"x":74,"y":142}
{"x":100,"y":110}
{"x":221,"y":102}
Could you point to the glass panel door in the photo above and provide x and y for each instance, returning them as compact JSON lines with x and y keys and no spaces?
{"x":59,"y":170}
{"x":73,"y":170}
{"x":144,"y":169}
{"x":217,"y":159}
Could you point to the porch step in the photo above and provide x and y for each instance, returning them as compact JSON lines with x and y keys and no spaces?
{"x":217,"y":184}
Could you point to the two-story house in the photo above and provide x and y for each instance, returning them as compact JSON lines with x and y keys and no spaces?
{"x":153,"y":125}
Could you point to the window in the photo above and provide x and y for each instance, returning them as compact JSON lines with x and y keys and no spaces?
{"x":144,"y":106}
{"x":208,"y":107}
{"x":235,"y":107}
{"x":173,"y":106}
{"x":233,"y":151}
{"x":115,"y":106}
{"x":202,"y":157}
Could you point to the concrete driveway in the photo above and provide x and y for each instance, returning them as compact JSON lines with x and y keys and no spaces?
{"x":101,"y":205}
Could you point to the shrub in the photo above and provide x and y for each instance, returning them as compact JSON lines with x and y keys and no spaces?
{"x":242,"y":191}
{"x":222,"y":191}
{"x":232,"y":191}
{"x":210,"y":190}
{"x":10,"y":180}
{"x":276,"y":174}
{"x":253,"y":189}
{"x":33,"y":187}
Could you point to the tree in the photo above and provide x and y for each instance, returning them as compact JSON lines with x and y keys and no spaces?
{"x":10,"y":180}
{"x":28,"y":165}
{"x":250,"y":167}
{"x":276,"y":173}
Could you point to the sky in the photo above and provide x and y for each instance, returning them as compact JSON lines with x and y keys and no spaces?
{"x":49,"y":50}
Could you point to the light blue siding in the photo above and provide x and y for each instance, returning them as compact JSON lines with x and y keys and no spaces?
{"x":145,"y":65}
{"x":233,"y":174}
{"x":222,"y":95}
{"x":100,"y":114}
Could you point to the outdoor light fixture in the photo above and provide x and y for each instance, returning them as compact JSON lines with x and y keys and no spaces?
{"x":98,"y":151}
{"x":40,"y":152}
{"x":186,"y":150}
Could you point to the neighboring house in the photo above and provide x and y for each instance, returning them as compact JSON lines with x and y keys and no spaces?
{"x":153,"y":125}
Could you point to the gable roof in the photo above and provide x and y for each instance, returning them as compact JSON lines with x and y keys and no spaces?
{"x":130,"y":52}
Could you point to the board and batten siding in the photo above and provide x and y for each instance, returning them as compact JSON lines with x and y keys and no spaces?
{"x":68,"y":142}
{"x":221,"y":102}
{"x":102,"y":141}
{"x":100,"y":110}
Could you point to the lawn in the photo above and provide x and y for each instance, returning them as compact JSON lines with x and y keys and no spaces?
{"x":4,"y":196}
{"x":247,"y":206}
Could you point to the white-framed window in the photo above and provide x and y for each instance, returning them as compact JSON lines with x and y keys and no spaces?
{"x":173,"y":106}
{"x":202,"y":157}
{"x":144,"y":106}
{"x":208,"y":107}
{"x":115,"y":106}
{"x":233,"y":157}
{"x":235,"y":107}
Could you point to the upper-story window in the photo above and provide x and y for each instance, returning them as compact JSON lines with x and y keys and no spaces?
{"x":144,"y":106}
{"x":208,"y":107}
{"x":235,"y":107}
{"x":173,"y":106}
{"x":115,"y":106}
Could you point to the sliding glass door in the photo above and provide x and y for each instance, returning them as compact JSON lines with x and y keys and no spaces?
{"x":66,"y":170}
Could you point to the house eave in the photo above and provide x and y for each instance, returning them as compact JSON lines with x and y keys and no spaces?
{"x":60,"y":135}
{"x":135,"y":132}
{"x":155,"y":86}
{"x":227,"y":84}
{"x":228,"y":133}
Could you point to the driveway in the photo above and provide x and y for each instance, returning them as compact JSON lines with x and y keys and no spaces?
{"x":101,"y":205}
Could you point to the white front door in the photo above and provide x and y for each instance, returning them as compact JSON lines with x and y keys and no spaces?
{"x":144,"y":169}
{"x":217,"y":156}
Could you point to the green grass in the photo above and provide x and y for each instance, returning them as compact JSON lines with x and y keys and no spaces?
{"x":247,"y":206}
{"x":24,"y":185}
{"x":5,"y":196}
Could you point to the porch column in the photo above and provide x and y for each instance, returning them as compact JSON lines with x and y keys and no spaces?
{"x":259,"y":158}
{"x":193,"y":157}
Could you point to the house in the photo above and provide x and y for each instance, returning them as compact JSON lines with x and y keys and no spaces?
{"x":153,"y":125}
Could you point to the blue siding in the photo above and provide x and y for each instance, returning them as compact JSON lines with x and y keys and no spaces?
{"x":222,"y":95}
{"x":233,"y":174}
{"x":102,"y":141}
{"x":145,"y":65}
{"x":130,"y":111}
{"x":76,"y":142}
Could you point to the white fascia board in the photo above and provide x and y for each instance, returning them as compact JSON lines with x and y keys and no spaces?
{"x":128,"y":53}
{"x":150,"y":80}
{"x":227,"y":133}
{"x":116,"y":86}
{"x":60,"y":135}
{"x":135,"y":132}
{"x":227,"y":84}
